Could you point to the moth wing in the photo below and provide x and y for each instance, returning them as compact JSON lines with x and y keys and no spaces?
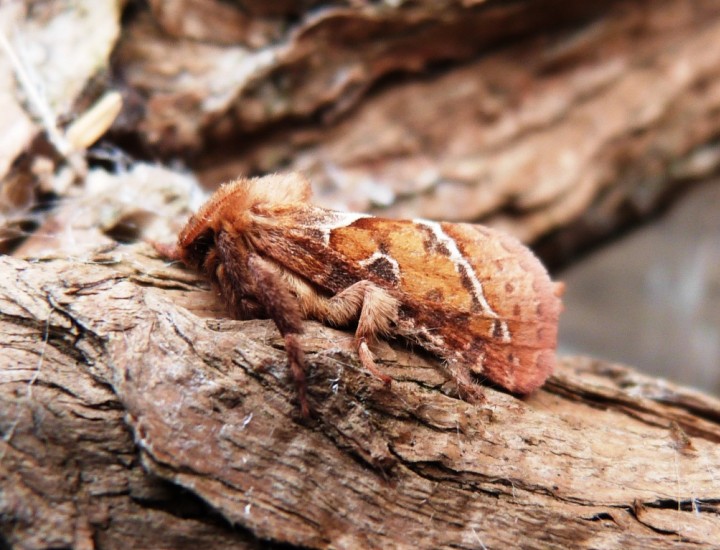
{"x":297,"y":237}
{"x":336,"y":249}
{"x":469,"y":293}
{"x":519,"y":346}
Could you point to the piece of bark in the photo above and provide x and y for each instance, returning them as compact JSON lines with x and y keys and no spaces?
{"x":538,"y":117}
{"x":134,"y":414}
{"x":321,"y":59}
{"x":140,"y":200}
{"x":39,"y":38}
{"x":51,"y":56}
{"x":529,"y":116}
{"x":208,"y":21}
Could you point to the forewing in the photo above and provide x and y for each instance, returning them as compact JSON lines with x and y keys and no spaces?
{"x":298,"y":238}
{"x":519,"y":352}
{"x":468,"y":293}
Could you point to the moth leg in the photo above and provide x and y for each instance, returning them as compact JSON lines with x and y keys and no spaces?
{"x":282,"y":307}
{"x":368,"y":361}
{"x":467,"y":388}
{"x":379,"y":309}
{"x":372,"y":306}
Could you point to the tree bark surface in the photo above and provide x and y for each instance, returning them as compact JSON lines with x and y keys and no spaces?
{"x":134,"y":414}
{"x":552,"y":120}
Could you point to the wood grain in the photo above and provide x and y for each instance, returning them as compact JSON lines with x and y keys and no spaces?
{"x":133,"y":413}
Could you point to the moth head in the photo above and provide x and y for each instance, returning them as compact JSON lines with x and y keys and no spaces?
{"x":230,"y":209}
{"x":194,"y":251}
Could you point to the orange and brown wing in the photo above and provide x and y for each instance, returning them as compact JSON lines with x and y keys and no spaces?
{"x":470,"y":294}
{"x":519,"y":353}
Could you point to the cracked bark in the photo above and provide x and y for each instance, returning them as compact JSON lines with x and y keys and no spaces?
{"x":554,"y":121}
{"x":134,"y":414}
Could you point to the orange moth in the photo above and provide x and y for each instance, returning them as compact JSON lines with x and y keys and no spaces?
{"x":474,"y":296}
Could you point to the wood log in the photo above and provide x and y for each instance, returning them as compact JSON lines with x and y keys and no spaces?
{"x":533,"y":116}
{"x":135,"y":414}
{"x":550,"y":120}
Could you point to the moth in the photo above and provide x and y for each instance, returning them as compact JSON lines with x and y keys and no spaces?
{"x":474,"y":296}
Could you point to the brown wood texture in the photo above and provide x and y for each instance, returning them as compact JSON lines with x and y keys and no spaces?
{"x":546,"y":118}
{"x":134,"y":415}
{"x":530,"y":116}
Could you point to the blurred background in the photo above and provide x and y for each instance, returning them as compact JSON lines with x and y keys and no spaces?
{"x":589,"y":130}
{"x":651,"y":298}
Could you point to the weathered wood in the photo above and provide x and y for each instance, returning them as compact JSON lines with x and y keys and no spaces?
{"x":135,"y":415}
{"x":530,"y":115}
{"x":39,"y":90}
{"x":540,"y":117}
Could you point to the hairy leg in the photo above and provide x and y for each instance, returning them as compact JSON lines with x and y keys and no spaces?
{"x":275,"y":297}
{"x":374,"y":309}
{"x":467,"y":388}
